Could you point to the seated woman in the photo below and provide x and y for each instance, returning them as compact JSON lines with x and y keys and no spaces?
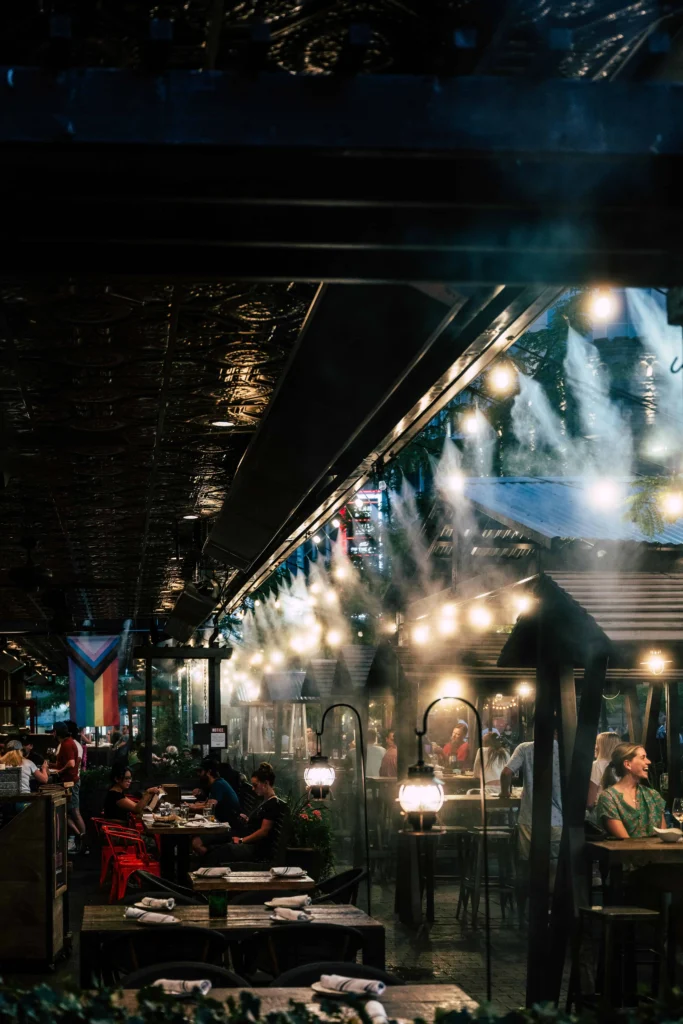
{"x":118,"y":805}
{"x":258,"y":837}
{"x":628,"y":808}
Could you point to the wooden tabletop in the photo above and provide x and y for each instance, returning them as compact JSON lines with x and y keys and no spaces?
{"x":252,"y":881}
{"x":493,"y":803}
{"x":399,"y":1001}
{"x":110,"y":919}
{"x":186,"y":830}
{"x":643,"y":851}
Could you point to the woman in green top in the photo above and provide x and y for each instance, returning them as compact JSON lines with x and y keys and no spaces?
{"x":629,"y":809}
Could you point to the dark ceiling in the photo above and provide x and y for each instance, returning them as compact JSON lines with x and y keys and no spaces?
{"x":109,"y":382}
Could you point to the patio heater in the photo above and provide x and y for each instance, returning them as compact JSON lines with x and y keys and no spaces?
{"x":320,"y":775}
{"x":421,"y":798}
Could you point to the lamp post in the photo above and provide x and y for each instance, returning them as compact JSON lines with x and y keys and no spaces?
{"x":421,"y":797}
{"x":320,"y":775}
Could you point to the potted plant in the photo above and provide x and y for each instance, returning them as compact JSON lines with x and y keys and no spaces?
{"x":310,"y":838}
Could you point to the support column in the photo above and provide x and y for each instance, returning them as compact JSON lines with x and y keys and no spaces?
{"x":214,"y":692}
{"x":632,"y":708}
{"x":651,"y":724}
{"x":149,"y":732}
{"x":673,"y":741}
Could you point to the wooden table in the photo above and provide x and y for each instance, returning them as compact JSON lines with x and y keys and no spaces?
{"x":615,"y":854}
{"x":176,"y":844}
{"x":252,"y":881}
{"x":405,"y":1002}
{"x":493,"y":803}
{"x":105,"y":922}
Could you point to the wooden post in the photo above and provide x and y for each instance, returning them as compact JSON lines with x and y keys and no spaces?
{"x":214,"y":692}
{"x":406,"y":721}
{"x":673,"y":741}
{"x":570,"y":886}
{"x":651,"y":723}
{"x":567,"y":722}
{"x":632,"y":708}
{"x":539,"y":860}
{"x":148,"y":718}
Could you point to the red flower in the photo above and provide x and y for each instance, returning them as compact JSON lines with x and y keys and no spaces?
{"x":305,"y":817}
{"x":317,"y":814}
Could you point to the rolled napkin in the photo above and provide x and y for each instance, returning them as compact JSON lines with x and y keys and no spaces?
{"x":212,"y":872}
{"x":152,"y":903}
{"x":287,"y":914}
{"x":149,"y":916}
{"x":287,"y":872}
{"x":375,"y":1011}
{"x":290,"y":901}
{"x":359,"y":986}
{"x":180,"y":988}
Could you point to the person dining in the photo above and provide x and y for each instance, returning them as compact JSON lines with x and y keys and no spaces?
{"x":220,"y":797}
{"x":496,"y":758}
{"x":457,"y":751}
{"x":258,"y":838}
{"x":605,"y":744}
{"x":118,"y":804}
{"x":628,"y":808}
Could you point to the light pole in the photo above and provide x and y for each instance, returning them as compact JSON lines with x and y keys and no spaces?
{"x":421,"y":797}
{"x":320,"y":775}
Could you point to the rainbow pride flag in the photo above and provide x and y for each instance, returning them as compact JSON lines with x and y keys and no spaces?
{"x":94,"y":679}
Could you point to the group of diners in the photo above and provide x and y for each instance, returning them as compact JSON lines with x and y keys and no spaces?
{"x":252,"y":836}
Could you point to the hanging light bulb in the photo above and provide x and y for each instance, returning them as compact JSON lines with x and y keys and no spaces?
{"x":334,"y":638}
{"x":421,"y":797}
{"x":319,"y":776}
{"x":605,"y":494}
{"x":336,"y":524}
{"x":331,"y":596}
{"x":340,"y":572}
{"x":501,"y":378}
{"x":480,"y":617}
{"x":314,"y":588}
{"x":672,"y":504}
{"x":256,"y":659}
{"x":421,"y":634}
{"x":277,"y":657}
{"x":656,"y":662}
{"x":524,"y":690}
{"x":454,"y":483}
{"x":473,"y":423}
{"x":603,"y":304}
{"x":451,"y":689}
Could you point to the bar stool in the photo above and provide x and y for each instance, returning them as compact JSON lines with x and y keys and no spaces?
{"x":454,"y":847}
{"x":618,"y":956}
{"x":500,"y":841}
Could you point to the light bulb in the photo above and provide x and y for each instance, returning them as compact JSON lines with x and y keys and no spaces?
{"x":257,"y":603}
{"x":421,"y":797}
{"x":472,"y":423}
{"x":451,"y":689}
{"x":522,"y":603}
{"x":603,"y":304}
{"x":421,"y":634}
{"x":317,"y":538}
{"x":655,"y":662}
{"x":334,"y":638}
{"x":277,"y":604}
{"x":480,"y":617}
{"x":672,"y":504}
{"x":341,"y":572}
{"x":336,"y":524}
{"x":447,"y":625}
{"x":524,"y":690}
{"x":222,"y":423}
{"x":454,"y":483}
{"x":191,"y":515}
{"x":501,"y":378}
{"x":314,"y":588}
{"x":331,"y":596}
{"x":277,"y":657}
{"x":256,"y":659}
{"x":319,"y":776}
{"x":605,"y":494}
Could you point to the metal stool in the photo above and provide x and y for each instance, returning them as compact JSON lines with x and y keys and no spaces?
{"x":618,"y":955}
{"x":500,"y":842}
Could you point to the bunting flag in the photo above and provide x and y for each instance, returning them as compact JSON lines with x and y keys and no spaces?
{"x":94,"y":679}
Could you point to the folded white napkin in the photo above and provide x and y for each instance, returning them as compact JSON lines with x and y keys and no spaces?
{"x":287,"y":872}
{"x":212,"y":872}
{"x":149,"y":916}
{"x":287,"y":914}
{"x":357,"y":985}
{"x":375,"y":1012}
{"x":152,"y":903}
{"x":179,"y":988}
{"x":290,"y":901}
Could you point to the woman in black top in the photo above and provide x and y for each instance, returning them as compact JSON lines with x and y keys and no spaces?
{"x":258,"y":839}
{"x":117,"y":804}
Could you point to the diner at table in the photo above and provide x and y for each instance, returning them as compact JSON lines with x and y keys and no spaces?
{"x":255,"y":841}
{"x":118,"y":804}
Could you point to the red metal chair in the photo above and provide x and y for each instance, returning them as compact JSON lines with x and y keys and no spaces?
{"x":106,"y":852}
{"x":128,"y":856}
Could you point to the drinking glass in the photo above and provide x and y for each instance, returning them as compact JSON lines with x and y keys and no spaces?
{"x":677,"y":809}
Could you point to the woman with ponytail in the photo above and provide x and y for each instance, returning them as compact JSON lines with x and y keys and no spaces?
{"x":627,"y":807}
{"x":257,"y":837}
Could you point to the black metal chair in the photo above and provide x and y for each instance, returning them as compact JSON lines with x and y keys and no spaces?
{"x":341,"y":888}
{"x":151,"y":882}
{"x":163,"y":945}
{"x":185,"y":970}
{"x":298,"y":977}
{"x":286,"y":946}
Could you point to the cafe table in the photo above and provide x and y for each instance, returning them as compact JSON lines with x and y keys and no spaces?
{"x":101,"y":923}
{"x":401,"y":1002}
{"x":616,"y":854}
{"x":176,"y":845}
{"x":252,"y":881}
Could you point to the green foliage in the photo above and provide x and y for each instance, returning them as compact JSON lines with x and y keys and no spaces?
{"x":643,"y":506}
{"x":311,"y":828}
{"x":95,"y":778}
{"x":52,"y":692}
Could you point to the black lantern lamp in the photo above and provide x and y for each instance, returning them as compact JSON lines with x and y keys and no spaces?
{"x":421,"y":798}
{"x":319,"y":776}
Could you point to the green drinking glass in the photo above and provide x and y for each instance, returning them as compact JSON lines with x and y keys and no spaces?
{"x":218,"y":903}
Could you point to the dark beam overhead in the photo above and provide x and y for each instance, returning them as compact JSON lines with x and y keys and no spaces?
{"x":375,"y":178}
{"x":372,"y":366}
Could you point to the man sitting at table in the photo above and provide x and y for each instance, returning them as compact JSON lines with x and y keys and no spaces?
{"x":221,"y":798}
{"x":258,"y":830}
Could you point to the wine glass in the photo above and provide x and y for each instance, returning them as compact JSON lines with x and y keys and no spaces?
{"x":677,"y":809}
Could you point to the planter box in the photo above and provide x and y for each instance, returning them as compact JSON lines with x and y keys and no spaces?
{"x":305,"y":857}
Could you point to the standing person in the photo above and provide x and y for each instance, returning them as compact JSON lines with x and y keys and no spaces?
{"x":374,"y":755}
{"x":523,"y":759}
{"x":75,"y":805}
{"x":495,"y":759}
{"x":604,"y":747}
{"x":67,"y":764}
{"x":389,"y":766}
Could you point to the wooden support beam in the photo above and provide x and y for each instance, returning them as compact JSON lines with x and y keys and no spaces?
{"x":673,"y":740}
{"x":632,"y":708}
{"x":148,"y":718}
{"x":570,"y":887}
{"x":566,"y":723}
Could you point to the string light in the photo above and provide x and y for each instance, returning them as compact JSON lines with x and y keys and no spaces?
{"x":421,"y":634}
{"x":480,"y":617}
{"x":331,"y":596}
{"x":605,"y":494}
{"x":523,"y":603}
{"x":256,"y":659}
{"x":524,"y":690}
{"x":447,"y":625}
{"x":501,"y":378}
{"x":672,"y":504}
{"x":277,"y":657}
{"x":473,"y":423}
{"x":451,"y":689}
{"x":334,"y":638}
{"x":317,"y":539}
{"x":335,"y":524}
{"x":656,"y":662}
{"x":603,"y":305}
{"x":340,"y":572}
